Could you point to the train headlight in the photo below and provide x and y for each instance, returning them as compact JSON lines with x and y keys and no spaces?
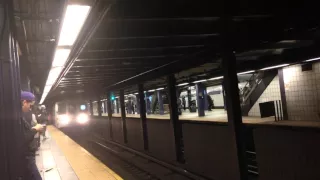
{"x":64,"y":119}
{"x":82,"y":118}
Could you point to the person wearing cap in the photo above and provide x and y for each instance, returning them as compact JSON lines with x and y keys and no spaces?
{"x":29,"y":131}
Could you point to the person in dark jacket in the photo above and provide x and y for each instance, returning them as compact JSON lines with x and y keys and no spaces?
{"x":29,"y":131}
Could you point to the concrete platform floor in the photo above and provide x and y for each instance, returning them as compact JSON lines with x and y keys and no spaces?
{"x":60,"y":158}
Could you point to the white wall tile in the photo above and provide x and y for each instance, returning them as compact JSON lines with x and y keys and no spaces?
{"x":302,"y":92}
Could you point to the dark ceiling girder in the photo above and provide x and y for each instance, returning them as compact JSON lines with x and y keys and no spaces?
{"x":166,"y":19}
{"x":25,"y":16}
{"x":151,"y":48}
{"x":155,"y":37}
{"x":170,"y":68}
{"x":128,"y":58}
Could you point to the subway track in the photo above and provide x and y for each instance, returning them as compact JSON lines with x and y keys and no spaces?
{"x":124,"y":162}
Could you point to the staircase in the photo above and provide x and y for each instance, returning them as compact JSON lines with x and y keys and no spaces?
{"x":253,"y":89}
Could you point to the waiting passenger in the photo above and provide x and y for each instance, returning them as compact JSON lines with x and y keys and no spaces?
{"x":29,"y":131}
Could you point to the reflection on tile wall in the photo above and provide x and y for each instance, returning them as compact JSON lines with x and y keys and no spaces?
{"x":271,"y":93}
{"x":302,"y":92}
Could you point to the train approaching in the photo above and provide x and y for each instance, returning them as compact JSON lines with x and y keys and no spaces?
{"x":71,"y":113}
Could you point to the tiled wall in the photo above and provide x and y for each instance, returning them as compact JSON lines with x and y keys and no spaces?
{"x":271,"y":93}
{"x":302,"y":92}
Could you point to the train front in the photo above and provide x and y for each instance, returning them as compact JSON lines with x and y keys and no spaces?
{"x":72,"y":114}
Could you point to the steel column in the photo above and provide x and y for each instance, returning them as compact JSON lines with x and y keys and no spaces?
{"x":117,"y":105}
{"x":138,"y":104}
{"x":232,"y":96}
{"x":99,"y":107}
{"x":174,"y":117}
{"x":143,"y":117}
{"x":109,"y":114}
{"x":206,"y":103}
{"x":224,"y":97}
{"x":91,"y":107}
{"x":11,"y":164}
{"x":189,"y":97}
{"x":123,"y":116}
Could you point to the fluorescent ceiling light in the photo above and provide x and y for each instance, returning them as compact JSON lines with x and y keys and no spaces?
{"x":160,"y":88}
{"x":136,"y":93}
{"x":151,"y":90}
{"x":53,"y":75}
{"x":246,"y":72}
{"x":273,"y":67}
{"x":73,"y":21}
{"x":314,"y":59}
{"x":60,"y":57}
{"x":47,"y":89}
{"x":183,"y":84}
{"x":216,"y":78}
{"x":200,"y":81}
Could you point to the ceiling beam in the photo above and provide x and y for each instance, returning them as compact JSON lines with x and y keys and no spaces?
{"x":145,"y":49}
{"x":129,"y":58}
{"x":155,"y":37}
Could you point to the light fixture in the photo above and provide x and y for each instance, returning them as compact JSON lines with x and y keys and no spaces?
{"x":183,"y":84}
{"x":313,"y":59}
{"x":246,"y":72}
{"x":216,"y":78}
{"x":136,"y":93}
{"x":60,"y":57}
{"x":53,"y":75}
{"x":273,"y":67}
{"x":73,"y":21}
{"x":160,"y":89}
{"x":152,"y":90}
{"x":203,"y":80}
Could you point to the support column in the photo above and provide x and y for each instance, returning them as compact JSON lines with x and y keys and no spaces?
{"x":174,"y":118}
{"x":105,"y":107}
{"x":91,"y":107}
{"x":99,"y":107}
{"x":189,"y":97}
{"x":10,"y":112}
{"x":232,"y":95}
{"x":224,"y":97}
{"x":117,"y":105}
{"x":138,"y":104}
{"x":109,"y":114}
{"x":200,"y":99}
{"x":160,"y":101}
{"x":123,"y":117}
{"x":283,"y":95}
{"x":148,"y":104}
{"x":206,"y":103}
{"x":143,"y":117}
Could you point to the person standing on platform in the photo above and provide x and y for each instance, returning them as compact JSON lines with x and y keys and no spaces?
{"x":29,"y":131}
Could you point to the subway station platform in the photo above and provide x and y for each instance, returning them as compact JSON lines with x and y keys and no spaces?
{"x":60,"y":158}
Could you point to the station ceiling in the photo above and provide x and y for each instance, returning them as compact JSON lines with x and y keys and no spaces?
{"x":125,"y":39}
